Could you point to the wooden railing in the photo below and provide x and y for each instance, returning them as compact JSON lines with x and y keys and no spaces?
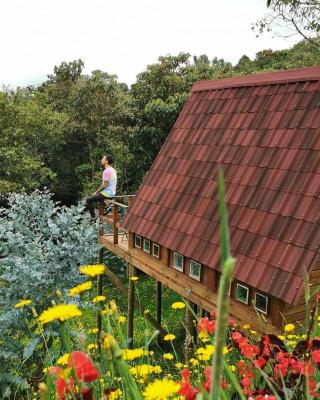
{"x":113,"y":218}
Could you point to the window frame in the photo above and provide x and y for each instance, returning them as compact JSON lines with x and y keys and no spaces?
{"x":255,"y":302}
{"x":135,"y":241}
{"x":144,"y":242}
{"x":174,"y":259}
{"x":247,"y":289}
{"x":197,"y":278}
{"x":153,"y":246}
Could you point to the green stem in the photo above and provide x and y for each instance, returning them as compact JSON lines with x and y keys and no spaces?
{"x":221,"y":328}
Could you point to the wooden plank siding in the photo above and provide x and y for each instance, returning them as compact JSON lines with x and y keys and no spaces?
{"x":297,"y":313}
{"x":181,"y":283}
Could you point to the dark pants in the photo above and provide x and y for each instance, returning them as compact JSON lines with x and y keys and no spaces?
{"x":93,"y":199}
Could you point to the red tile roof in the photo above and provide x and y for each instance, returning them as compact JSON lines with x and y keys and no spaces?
{"x":264,"y":132}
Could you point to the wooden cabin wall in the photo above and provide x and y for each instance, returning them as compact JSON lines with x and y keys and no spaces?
{"x":297,"y":313}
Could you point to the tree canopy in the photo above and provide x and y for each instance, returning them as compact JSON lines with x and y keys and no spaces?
{"x":54,"y":135}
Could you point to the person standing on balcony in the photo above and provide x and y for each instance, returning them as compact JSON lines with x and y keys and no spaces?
{"x":108,"y":187}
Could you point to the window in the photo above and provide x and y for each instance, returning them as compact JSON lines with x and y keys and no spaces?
{"x":178,"y":261}
{"x":195,"y":270}
{"x":242,"y":293}
{"x":156,"y":250}
{"x":261,"y":303}
{"x":137,"y":241}
{"x":146,"y":245}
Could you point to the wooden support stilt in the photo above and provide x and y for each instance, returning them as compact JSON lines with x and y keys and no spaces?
{"x":132,"y":270}
{"x":190,"y":328}
{"x":123,"y":289}
{"x":99,"y":292}
{"x":158,"y":305}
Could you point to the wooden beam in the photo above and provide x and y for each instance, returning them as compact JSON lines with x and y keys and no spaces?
{"x":99,"y":292}
{"x":190,"y":332}
{"x":115,"y":221}
{"x":132,"y":271}
{"x":158,"y":305}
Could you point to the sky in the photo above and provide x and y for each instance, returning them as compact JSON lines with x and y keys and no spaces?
{"x":122,"y":37}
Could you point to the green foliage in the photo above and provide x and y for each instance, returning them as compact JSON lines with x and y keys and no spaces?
{"x":42,"y":246}
{"x":55,"y":135}
{"x":300,"y":17}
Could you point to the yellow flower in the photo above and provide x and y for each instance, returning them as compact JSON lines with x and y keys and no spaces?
{"x":161,"y":389}
{"x":80,"y":288}
{"x":93,"y":270}
{"x":63,"y":360}
{"x":169,"y":336}
{"x":106,"y":312}
{"x":92,"y":346}
{"x":128,"y":354}
{"x":289,"y":328}
{"x":93,"y":330}
{"x":146,"y":311}
{"x":98,"y":299}
{"x":142,"y":370}
{"x":61,"y":312}
{"x":253,"y":332}
{"x":108,"y":341}
{"x":134,"y":278}
{"x":23,"y":303}
{"x":178,"y":305}
{"x":203,"y":335}
{"x":178,"y":365}
{"x":113,"y":306}
{"x":246,"y":326}
{"x":168,"y":356}
{"x":122,"y":319}
{"x":151,"y":353}
{"x":232,"y":368}
{"x":157,"y":369}
{"x":193,"y":361}
{"x":115,"y":394}
{"x":281,"y":337}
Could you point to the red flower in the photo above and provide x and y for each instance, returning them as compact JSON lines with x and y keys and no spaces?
{"x":312,"y":387}
{"x":316,"y":356}
{"x":207,"y":384}
{"x":83,"y":367}
{"x":237,"y":336}
{"x":206,"y":325}
{"x":248,"y":350}
{"x":63,"y":386}
{"x":185,"y":373}
{"x":260,"y":362}
{"x":214,"y":314}
{"x":282,"y":368}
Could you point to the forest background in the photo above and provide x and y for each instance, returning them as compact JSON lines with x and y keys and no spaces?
{"x":53,"y":135}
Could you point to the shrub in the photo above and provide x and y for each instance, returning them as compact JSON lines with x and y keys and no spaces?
{"x":42,"y":245}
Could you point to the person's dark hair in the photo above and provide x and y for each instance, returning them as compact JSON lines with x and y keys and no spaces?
{"x":109,"y":158}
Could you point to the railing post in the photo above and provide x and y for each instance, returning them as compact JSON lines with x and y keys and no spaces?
{"x":101,"y":212}
{"x":115,"y":221}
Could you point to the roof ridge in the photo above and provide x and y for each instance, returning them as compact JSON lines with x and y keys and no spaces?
{"x":260,"y":79}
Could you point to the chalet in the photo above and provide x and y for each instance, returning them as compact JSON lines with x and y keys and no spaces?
{"x":264,"y":132}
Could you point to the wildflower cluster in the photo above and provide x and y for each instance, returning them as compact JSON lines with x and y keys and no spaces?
{"x":266,"y":368}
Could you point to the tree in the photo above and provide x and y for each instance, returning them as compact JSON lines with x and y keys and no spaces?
{"x":30,"y":135}
{"x":296,"y":16}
